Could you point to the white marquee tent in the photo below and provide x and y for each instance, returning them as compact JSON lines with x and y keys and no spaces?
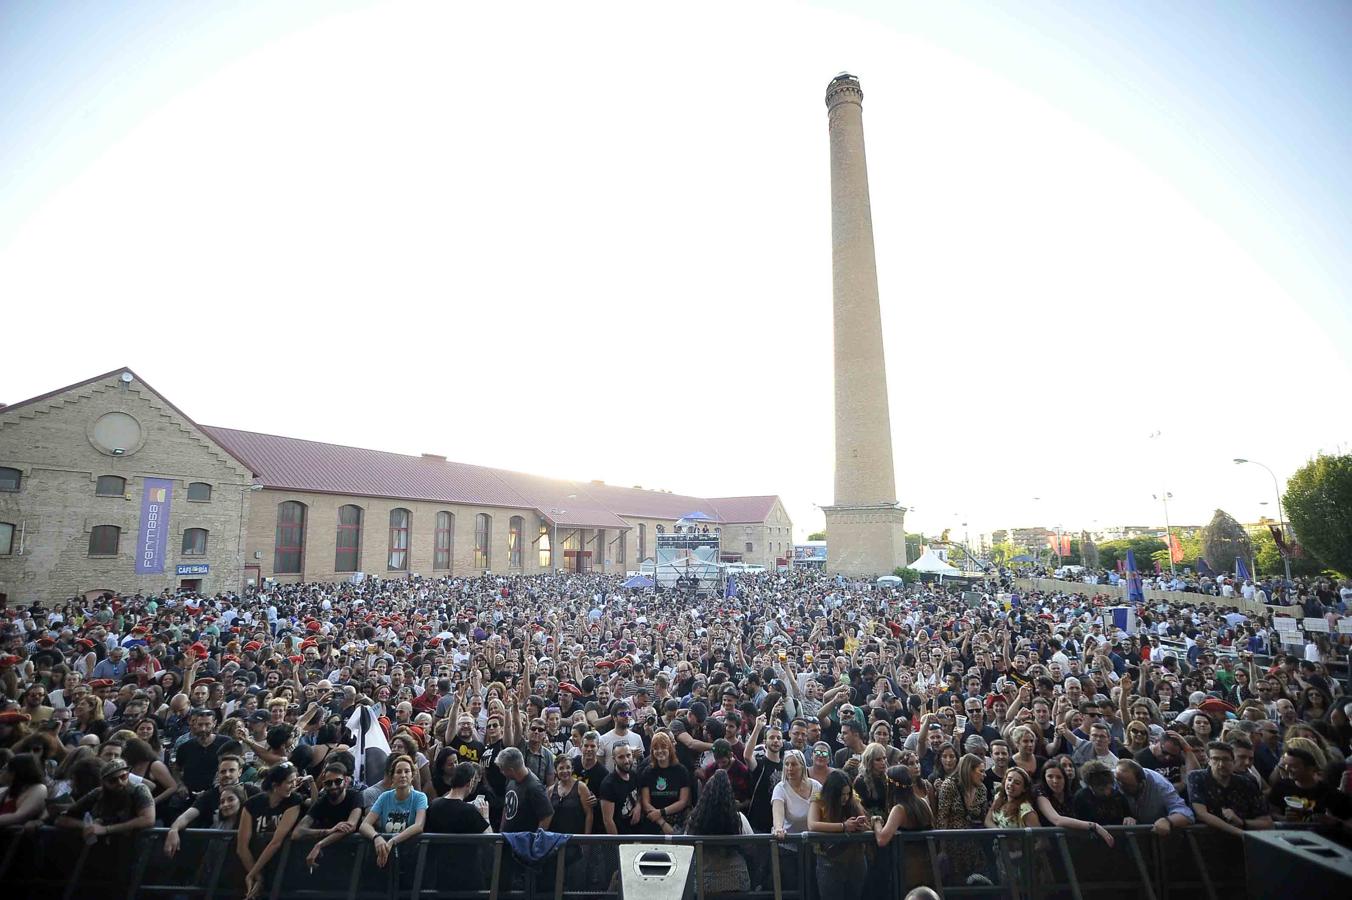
{"x":930,"y":563}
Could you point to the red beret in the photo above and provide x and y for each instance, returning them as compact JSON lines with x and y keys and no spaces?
{"x":102,"y":683}
{"x":13,"y":718}
{"x":199,"y":650}
{"x":568,"y":687}
{"x":253,"y":645}
{"x":296,"y":660}
{"x":313,"y":626}
{"x":8,"y":661}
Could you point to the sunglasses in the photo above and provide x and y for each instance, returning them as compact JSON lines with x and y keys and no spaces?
{"x":332,"y":782}
{"x":536,"y":728}
{"x":821,"y":753}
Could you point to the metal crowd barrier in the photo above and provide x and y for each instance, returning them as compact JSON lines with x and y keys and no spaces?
{"x":1025,"y":863}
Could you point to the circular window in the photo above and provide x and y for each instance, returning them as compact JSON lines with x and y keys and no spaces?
{"x":116,"y":434}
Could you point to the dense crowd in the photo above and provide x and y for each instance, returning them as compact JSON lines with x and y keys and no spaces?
{"x":801,"y":703}
{"x":1315,"y":596}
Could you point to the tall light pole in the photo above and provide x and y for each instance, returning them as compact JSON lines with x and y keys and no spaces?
{"x":239,"y":538}
{"x":1168,"y":530}
{"x":1281,"y":517}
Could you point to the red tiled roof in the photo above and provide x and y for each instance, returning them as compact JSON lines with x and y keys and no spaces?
{"x":293,"y":464}
{"x":297,"y":465}
{"x":744,"y":509}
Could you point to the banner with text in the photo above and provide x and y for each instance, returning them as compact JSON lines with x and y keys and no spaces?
{"x":153,"y":545}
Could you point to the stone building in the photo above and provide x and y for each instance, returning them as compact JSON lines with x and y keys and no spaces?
{"x":87,"y":471}
{"x":105,"y":485}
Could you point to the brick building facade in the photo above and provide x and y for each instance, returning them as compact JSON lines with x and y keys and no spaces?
{"x":85,"y":461}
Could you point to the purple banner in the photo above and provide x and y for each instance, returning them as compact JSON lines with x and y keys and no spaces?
{"x":154,"y":542}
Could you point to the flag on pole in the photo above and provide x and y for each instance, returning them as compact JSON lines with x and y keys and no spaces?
{"x":370,"y":747}
{"x":1135,"y":591}
{"x":1175,"y":549}
{"x":1241,"y":570}
{"x":1204,"y":569}
{"x":730,"y":588}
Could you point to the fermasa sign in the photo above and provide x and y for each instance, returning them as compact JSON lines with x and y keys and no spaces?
{"x":193,"y":569}
{"x":150,"y":549}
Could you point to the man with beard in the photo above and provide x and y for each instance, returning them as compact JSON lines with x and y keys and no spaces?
{"x":334,"y":815}
{"x":228,"y":770}
{"x":620,"y":809}
{"x":467,"y":747}
{"x":196,"y":758}
{"x":115,"y":807}
{"x":765,"y":761}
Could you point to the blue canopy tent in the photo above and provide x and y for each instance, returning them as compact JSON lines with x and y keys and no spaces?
{"x":1022,"y":557}
{"x":638,"y":582}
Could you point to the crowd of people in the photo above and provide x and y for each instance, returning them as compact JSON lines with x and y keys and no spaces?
{"x":319,"y":714}
{"x":1315,"y":596}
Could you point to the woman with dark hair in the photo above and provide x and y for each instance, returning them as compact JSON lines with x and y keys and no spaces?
{"x":716,"y":813}
{"x":148,"y":730}
{"x":906,"y":812}
{"x":443,"y":770}
{"x":945,"y":763}
{"x":266,"y":822}
{"x":1052,"y":798}
{"x":145,"y":763}
{"x":841,"y":867}
{"x":23,"y":791}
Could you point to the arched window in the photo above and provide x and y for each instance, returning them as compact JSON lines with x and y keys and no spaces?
{"x":642,"y":541}
{"x":110,"y":486}
{"x":199,"y":491}
{"x":483,"y":541}
{"x":347,"y":549}
{"x":445,"y":541}
{"x":10,"y":479}
{"x":103,"y":540}
{"x":195,"y":542}
{"x":546,"y":549}
{"x":516,"y":528}
{"x":289,"y":549}
{"x":399,"y":519}
{"x":6,"y":538}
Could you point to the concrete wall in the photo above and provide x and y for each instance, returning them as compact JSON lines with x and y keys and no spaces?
{"x":1119,"y":593}
{"x":54,"y":443}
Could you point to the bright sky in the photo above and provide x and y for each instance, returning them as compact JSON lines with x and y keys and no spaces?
{"x":515,"y":233}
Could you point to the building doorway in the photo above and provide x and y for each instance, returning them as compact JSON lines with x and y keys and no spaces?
{"x":252,"y":576}
{"x":190,"y":584}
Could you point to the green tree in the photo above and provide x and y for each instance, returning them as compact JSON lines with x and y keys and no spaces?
{"x":1269,"y":558}
{"x":1318,"y":502}
{"x":817,"y":536}
{"x":914,"y":541}
{"x":1111,"y":551}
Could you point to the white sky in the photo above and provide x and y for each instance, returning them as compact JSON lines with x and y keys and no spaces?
{"x":538,"y":222}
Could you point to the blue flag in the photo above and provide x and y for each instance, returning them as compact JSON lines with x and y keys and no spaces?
{"x":1241,"y":570}
{"x":1135,"y":592}
{"x":730,"y":588}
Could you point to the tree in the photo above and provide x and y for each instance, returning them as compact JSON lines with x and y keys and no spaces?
{"x":1318,"y":502}
{"x":1268,"y":559}
{"x":817,"y":536}
{"x":914,"y":541}
{"x":1111,"y":551}
{"x":1223,"y":541}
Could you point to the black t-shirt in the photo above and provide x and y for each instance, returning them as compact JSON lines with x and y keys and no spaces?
{"x":592,"y":777}
{"x":1148,"y":760}
{"x":1307,"y":802}
{"x":208,"y":803}
{"x":526,"y":804}
{"x":623,"y":792}
{"x":113,"y":807}
{"x":449,"y":816}
{"x":763,"y":782}
{"x":198,"y":763}
{"x":664,"y":785}
{"x":684,"y":755}
{"x":268,"y":818}
{"x":325,"y":814}
{"x":467,"y":751}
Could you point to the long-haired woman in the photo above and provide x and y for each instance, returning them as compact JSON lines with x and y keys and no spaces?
{"x":716,"y":813}
{"x":906,"y":812}
{"x":23,"y":790}
{"x":841,"y":867}
{"x":266,"y":822}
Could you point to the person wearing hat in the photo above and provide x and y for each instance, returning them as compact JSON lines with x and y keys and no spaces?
{"x":114,"y":807}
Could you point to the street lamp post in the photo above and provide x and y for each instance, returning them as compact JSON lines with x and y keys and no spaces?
{"x":1168,"y":530}
{"x":554,"y":514}
{"x":1281,"y":517}
{"x":239,"y":538}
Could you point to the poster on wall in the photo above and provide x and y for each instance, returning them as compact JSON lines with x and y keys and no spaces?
{"x":154,"y":535}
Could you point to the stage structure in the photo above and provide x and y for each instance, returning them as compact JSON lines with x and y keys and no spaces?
{"x":687,"y":557}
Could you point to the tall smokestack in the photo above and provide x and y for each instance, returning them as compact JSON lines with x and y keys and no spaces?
{"x":865,"y":528}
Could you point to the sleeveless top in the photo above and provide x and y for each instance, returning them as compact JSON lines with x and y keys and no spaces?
{"x":569,"y":817}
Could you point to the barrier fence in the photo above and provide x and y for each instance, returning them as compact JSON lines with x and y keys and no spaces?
{"x":1024,"y":863}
